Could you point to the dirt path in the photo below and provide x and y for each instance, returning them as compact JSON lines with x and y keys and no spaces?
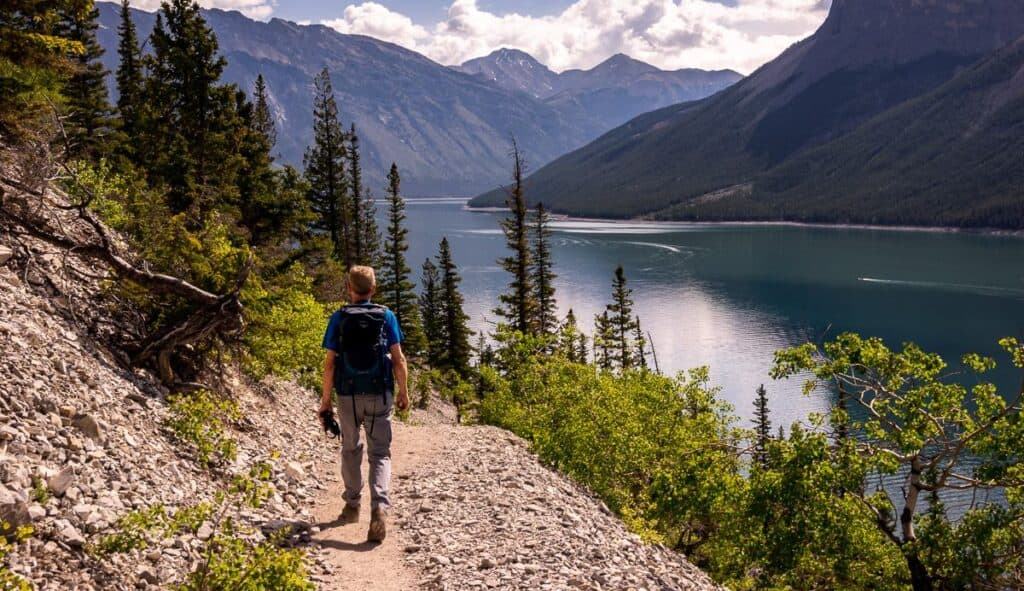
{"x":359,"y":565}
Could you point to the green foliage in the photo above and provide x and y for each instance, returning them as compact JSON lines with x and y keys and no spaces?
{"x":40,"y":491}
{"x":518,"y":305}
{"x":917,"y":420}
{"x":285,"y":324}
{"x":431,"y":307}
{"x":37,"y":57}
{"x":656,"y":449}
{"x":8,"y":537}
{"x":542,"y":270}
{"x":396,"y":289}
{"x":90,"y":122}
{"x":325,"y":171}
{"x":455,"y":349}
{"x":201,"y":420}
{"x":232,"y":558}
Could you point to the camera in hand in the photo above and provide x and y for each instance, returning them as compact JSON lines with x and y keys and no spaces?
{"x":331,"y":426}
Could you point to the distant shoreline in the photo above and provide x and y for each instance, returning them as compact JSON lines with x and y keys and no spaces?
{"x":929,"y":229}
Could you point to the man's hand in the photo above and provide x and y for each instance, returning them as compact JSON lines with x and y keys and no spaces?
{"x":324,"y":405}
{"x":402,"y":400}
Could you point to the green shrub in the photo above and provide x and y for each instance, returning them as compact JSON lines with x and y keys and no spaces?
{"x":40,"y":492}
{"x":233,"y":559}
{"x":200,"y":419}
{"x":8,"y":580}
{"x":285,"y":327}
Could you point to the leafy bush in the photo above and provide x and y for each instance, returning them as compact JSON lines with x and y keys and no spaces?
{"x":9,"y":535}
{"x":200,"y":419}
{"x":286,"y":325}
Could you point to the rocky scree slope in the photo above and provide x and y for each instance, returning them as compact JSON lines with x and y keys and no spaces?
{"x":484,"y":513}
{"x":81,"y":442}
{"x":78,"y":427}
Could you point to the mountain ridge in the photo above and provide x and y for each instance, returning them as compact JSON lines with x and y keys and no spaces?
{"x":448,"y":131}
{"x":794,"y":104}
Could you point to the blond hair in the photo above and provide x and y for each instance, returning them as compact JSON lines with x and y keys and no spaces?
{"x":361,"y":280}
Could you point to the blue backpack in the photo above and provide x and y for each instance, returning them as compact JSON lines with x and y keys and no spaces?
{"x":362,"y":365}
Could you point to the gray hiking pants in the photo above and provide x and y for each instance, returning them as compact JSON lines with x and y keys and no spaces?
{"x":373,"y":412}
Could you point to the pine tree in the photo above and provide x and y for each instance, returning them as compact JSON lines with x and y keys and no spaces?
{"x":640,"y":343}
{"x":620,"y":314}
{"x":370,"y":238}
{"x":90,"y":117}
{"x":518,"y":305}
{"x":572,"y":343}
{"x":129,"y":75}
{"x":189,"y":141}
{"x":762,"y":427}
{"x":604,"y":342}
{"x":263,"y":119}
{"x":432,"y":313}
{"x":543,"y":275}
{"x":396,"y":290}
{"x":356,"y":200}
{"x":325,"y":169}
{"x":457,"y":351}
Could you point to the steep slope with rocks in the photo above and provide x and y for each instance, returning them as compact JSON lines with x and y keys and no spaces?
{"x":81,"y":445}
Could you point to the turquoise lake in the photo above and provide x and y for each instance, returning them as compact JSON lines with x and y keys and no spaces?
{"x":728,"y":296}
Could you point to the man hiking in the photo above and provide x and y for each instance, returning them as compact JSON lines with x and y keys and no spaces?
{"x":364,"y":364}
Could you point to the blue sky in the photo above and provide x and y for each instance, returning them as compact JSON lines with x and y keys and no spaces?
{"x":671,"y":34}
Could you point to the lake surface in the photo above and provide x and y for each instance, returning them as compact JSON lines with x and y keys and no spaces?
{"x":728,"y":296}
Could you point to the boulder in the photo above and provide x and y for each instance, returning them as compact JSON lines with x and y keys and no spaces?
{"x":61,"y":481}
{"x":5,"y":254}
{"x":88,"y":425}
{"x":15,"y":515}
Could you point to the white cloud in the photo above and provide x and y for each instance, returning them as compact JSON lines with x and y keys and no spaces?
{"x":667,"y":33}
{"x":257,"y":9}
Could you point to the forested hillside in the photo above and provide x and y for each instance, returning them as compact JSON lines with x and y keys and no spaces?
{"x":725,"y":157}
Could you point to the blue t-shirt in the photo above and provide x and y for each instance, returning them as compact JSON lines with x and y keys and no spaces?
{"x":392,"y":331}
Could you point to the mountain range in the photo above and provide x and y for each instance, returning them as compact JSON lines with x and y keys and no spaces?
{"x":448,"y":130}
{"x":893,"y":112}
{"x":614,"y":91}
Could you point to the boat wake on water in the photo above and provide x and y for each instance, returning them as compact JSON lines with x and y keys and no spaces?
{"x":988,"y":290}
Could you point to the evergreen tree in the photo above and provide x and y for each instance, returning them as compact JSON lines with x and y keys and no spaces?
{"x":432,"y":313}
{"x":640,"y":342}
{"x":370,"y":238}
{"x":457,"y":351}
{"x":518,"y":305}
{"x":129,"y":74}
{"x":356,"y":200}
{"x":263,"y":119}
{"x":325,"y":169}
{"x":396,"y":289}
{"x":620,"y":314}
{"x":543,"y":275}
{"x":188,"y":142}
{"x":34,"y":62}
{"x":90,"y":117}
{"x":762,"y":427}
{"x":604,"y":342}
{"x":572,"y":343}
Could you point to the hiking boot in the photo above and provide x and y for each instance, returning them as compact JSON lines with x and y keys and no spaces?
{"x":378,"y":526}
{"x":350,"y":514}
